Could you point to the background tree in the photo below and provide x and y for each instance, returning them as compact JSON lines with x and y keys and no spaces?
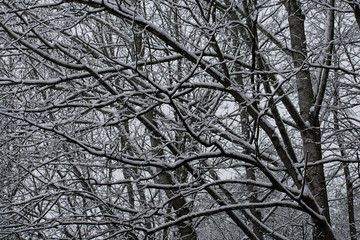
{"x":168,"y":119}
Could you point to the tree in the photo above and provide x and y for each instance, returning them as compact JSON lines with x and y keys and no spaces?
{"x":167,"y":119}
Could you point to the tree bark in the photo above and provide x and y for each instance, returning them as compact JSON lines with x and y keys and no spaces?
{"x":356,"y":10}
{"x":311,"y":136}
{"x":348,"y":182}
{"x":179,"y":204}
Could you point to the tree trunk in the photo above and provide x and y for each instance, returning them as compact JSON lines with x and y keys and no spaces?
{"x":311,"y":135}
{"x":348,"y":182}
{"x":356,"y":9}
{"x":179,"y":204}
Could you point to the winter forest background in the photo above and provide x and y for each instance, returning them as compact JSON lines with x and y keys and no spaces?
{"x":179,"y":119}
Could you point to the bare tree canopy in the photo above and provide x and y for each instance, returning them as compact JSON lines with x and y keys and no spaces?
{"x":179,"y":119}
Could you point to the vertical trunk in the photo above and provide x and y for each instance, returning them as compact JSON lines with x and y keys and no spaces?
{"x":127,"y":171}
{"x":350,"y":203}
{"x":250,"y":172}
{"x":179,"y":204}
{"x":311,"y":135}
{"x":348,"y":182}
{"x":356,"y":9}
